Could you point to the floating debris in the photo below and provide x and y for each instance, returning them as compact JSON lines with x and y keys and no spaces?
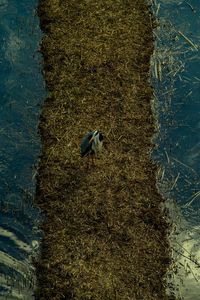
{"x":175,"y":181}
{"x":195,"y":196}
{"x":188,"y":40}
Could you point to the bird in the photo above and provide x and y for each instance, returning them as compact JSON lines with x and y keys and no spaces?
{"x":91,"y":144}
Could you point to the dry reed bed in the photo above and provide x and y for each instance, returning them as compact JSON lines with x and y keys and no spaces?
{"x":104,"y":232}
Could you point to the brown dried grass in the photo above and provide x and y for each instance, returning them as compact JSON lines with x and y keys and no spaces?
{"x":104,"y":233}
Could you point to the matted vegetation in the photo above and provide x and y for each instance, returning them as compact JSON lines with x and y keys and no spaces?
{"x":105,"y":236}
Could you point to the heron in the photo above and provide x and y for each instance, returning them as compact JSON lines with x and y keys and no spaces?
{"x":91,"y":144}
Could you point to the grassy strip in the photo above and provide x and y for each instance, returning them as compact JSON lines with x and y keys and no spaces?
{"x":105,"y":235}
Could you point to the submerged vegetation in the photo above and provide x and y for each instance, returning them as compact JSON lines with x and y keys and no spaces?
{"x":105,"y":236}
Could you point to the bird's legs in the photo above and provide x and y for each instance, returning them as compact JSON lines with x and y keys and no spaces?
{"x":88,"y":162}
{"x":91,"y":161}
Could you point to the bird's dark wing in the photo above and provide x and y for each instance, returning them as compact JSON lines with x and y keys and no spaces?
{"x":100,"y":136}
{"x":86,"y":146}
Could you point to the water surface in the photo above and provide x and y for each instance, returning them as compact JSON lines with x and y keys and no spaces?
{"x":21,"y":93}
{"x":176,"y":78}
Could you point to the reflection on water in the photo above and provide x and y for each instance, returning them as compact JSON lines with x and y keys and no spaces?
{"x":21,"y":93}
{"x":176,"y":78}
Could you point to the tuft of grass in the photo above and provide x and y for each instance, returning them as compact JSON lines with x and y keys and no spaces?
{"x":105,"y":236}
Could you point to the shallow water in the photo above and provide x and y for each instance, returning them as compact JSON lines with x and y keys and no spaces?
{"x":176,"y":78}
{"x":22,"y":91}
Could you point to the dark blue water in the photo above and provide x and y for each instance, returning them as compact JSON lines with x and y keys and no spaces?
{"x":176,"y":79}
{"x":21,"y":93}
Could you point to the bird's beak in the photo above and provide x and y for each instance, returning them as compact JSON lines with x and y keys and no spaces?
{"x":92,"y":138}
